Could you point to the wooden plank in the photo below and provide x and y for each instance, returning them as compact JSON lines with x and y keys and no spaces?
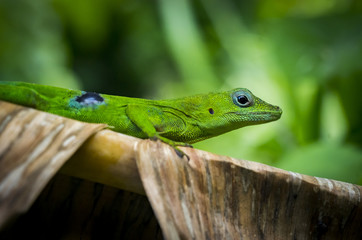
{"x":34,"y":145}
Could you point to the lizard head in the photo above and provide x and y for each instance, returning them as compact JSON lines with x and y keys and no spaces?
{"x":250,"y":109}
{"x":234,"y":109}
{"x":212,"y":114}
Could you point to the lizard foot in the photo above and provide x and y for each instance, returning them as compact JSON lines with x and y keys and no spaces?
{"x":174,"y":145}
{"x":181,"y":154}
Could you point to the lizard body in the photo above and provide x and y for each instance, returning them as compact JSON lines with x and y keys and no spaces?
{"x":178,"y":121}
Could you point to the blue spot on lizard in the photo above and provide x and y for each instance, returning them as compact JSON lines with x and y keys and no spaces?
{"x":87,"y":99}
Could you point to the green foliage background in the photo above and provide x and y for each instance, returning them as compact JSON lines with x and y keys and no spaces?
{"x":304,"y":56}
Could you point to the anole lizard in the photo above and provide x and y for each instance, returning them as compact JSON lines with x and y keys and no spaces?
{"x":178,"y":122}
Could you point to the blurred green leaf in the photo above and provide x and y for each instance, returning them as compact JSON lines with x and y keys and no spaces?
{"x":31,"y":46}
{"x":327,"y":160}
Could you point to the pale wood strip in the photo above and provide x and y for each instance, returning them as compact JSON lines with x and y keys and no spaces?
{"x":109,"y":158}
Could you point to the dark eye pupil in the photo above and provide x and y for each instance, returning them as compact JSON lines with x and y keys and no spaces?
{"x":243,"y":100}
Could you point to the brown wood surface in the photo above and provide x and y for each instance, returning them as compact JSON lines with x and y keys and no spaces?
{"x":218,"y":197}
{"x":33,"y":146}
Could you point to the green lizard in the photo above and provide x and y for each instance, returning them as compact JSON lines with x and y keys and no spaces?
{"x":178,"y":122}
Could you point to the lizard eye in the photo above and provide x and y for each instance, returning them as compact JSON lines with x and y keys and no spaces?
{"x":242,"y":99}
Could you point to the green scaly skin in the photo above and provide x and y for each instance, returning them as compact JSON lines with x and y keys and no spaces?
{"x":178,"y":122}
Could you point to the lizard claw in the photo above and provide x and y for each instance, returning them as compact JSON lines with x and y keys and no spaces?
{"x":154,"y":138}
{"x":189,"y":145}
{"x":181,"y":154}
{"x":174,"y":145}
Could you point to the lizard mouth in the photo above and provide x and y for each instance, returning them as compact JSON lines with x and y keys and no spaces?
{"x":263,"y":116}
{"x":266,"y":116}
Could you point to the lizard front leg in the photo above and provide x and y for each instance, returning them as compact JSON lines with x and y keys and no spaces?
{"x":145,"y":117}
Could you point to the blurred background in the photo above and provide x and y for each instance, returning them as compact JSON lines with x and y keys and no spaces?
{"x":302,"y":55}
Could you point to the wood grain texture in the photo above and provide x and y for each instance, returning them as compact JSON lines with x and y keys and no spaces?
{"x":216,"y":197}
{"x":207,"y":197}
{"x":34,"y":145}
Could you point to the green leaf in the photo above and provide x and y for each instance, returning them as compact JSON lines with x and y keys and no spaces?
{"x":328,"y":160}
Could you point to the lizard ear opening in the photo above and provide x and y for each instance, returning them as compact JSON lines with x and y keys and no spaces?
{"x":242,"y":99}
